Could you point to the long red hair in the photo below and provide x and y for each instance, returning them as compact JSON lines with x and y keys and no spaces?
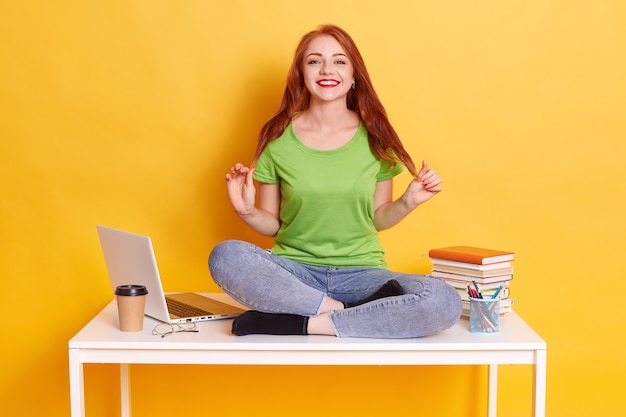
{"x":383,"y":139}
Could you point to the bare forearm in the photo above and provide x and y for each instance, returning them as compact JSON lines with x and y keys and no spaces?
{"x":262,"y":222}
{"x":392,"y":213}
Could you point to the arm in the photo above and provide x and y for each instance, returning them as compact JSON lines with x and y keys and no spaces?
{"x":388,"y":213}
{"x":242,"y":193}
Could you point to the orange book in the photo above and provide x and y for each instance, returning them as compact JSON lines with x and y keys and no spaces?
{"x":472,"y":255}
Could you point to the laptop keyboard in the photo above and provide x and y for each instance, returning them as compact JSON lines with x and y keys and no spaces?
{"x":180,"y":309}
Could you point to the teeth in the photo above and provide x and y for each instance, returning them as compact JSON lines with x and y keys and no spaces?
{"x":328,"y":83}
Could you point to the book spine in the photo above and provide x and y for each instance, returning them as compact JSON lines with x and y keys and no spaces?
{"x":461,"y":277}
{"x":478,"y":256}
{"x":473,"y":272}
{"x":481,"y":287}
{"x":439,"y":261}
{"x":457,"y":257}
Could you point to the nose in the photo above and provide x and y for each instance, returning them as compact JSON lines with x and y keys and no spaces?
{"x":326,"y":69}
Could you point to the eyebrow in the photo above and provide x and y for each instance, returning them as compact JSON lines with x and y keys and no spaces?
{"x":319,"y":54}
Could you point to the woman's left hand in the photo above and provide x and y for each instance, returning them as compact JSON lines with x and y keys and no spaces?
{"x":425,"y":187}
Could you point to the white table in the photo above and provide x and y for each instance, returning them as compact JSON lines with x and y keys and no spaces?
{"x":100,"y":341}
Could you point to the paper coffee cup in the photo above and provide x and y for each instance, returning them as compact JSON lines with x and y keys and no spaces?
{"x":131,"y":302}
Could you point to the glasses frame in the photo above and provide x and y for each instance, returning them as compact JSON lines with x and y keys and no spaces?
{"x":166,"y":329}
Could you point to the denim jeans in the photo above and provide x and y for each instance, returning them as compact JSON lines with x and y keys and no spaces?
{"x":269,"y":283}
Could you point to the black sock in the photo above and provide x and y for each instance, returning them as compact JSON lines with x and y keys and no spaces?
{"x":256,"y":322}
{"x":390,"y":289}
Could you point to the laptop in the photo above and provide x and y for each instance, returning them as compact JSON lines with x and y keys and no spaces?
{"x":130,"y":259}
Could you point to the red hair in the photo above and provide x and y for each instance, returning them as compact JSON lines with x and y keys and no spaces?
{"x":383,"y":139}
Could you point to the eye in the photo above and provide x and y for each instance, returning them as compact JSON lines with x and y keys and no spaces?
{"x":340,"y":62}
{"x":313,"y":62}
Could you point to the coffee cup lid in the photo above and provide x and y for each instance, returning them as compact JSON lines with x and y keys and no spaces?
{"x":131,"y":290}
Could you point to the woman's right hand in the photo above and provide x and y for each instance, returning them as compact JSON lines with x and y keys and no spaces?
{"x":241,"y":190}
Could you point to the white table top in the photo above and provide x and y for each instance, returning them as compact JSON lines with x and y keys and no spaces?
{"x":103,"y":333}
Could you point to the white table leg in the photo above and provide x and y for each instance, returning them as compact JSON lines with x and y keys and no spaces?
{"x":493,"y":390}
{"x":125,"y":389}
{"x":539,"y":384}
{"x":77,"y":388}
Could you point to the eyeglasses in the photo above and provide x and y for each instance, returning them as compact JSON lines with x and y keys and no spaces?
{"x":166,"y":329}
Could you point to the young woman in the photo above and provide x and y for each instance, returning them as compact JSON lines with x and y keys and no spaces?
{"x":324,"y":169}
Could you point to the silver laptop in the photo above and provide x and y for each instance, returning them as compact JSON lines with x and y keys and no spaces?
{"x":130,"y":259}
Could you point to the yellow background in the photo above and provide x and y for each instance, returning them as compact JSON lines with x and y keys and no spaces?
{"x":129,"y":113}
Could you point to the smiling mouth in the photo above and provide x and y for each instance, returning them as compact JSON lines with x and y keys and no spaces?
{"x":328,"y":83}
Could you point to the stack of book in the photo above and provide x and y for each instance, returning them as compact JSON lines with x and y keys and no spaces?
{"x":487,"y":269}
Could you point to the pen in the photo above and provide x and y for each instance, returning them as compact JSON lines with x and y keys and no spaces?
{"x":489,"y":325}
{"x":495,"y":294}
{"x":477,"y":289}
{"x":472,"y":292}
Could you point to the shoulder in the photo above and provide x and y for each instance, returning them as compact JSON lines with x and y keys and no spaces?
{"x":287,"y":134}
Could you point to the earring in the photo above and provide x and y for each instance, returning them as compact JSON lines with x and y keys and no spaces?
{"x":353,"y":84}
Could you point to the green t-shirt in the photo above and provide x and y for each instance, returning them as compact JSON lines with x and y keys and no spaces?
{"x":327,"y":200}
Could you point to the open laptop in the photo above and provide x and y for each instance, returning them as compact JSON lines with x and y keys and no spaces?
{"x":130,"y":259}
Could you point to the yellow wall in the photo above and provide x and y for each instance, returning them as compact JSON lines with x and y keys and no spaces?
{"x":128,"y":114}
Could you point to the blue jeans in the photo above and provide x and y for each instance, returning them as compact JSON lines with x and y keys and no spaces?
{"x":269,"y":283}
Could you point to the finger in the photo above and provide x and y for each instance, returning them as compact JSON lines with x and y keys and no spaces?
{"x":434,"y":188}
{"x":239,"y":170}
{"x":233,"y":173}
{"x":431,"y":178}
{"x":250,"y":177}
{"x":238,"y":167}
{"x":423,"y":170}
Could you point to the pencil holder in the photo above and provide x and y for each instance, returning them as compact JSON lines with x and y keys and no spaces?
{"x":484,"y":315}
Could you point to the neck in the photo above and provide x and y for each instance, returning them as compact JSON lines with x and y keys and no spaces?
{"x":329,"y":114}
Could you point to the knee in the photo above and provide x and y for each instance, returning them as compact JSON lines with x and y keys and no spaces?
{"x":223,"y":258}
{"x":217,"y":255}
{"x":451,"y":305}
{"x":227,"y":250}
